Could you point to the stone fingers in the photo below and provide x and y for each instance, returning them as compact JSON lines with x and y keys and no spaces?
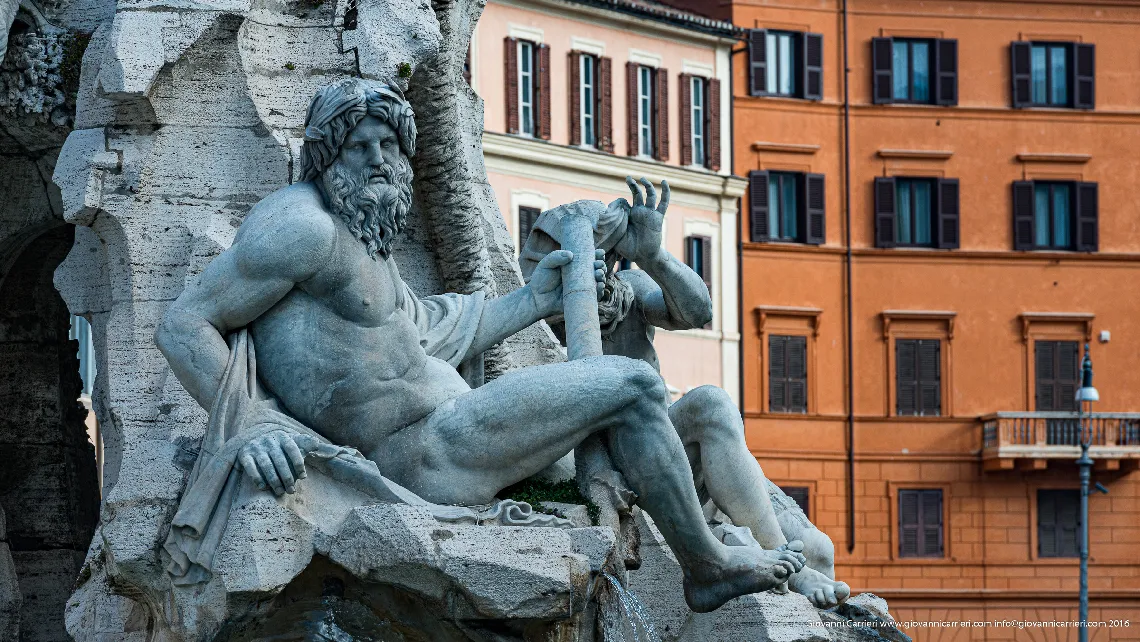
{"x":281,"y":465}
{"x":638,"y":198}
{"x":664,"y":204}
{"x":268,"y":470}
{"x":294,"y":455}
{"x":650,"y":193}
{"x":250,"y":466}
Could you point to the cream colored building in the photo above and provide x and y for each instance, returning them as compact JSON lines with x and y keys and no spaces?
{"x":559,"y":77}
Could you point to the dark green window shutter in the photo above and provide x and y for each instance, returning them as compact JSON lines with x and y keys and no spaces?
{"x":1084,"y":76}
{"x":948,"y":214}
{"x":918,"y":377}
{"x":946,"y":72}
{"x":801,"y":495}
{"x":1045,"y":358}
{"x":758,"y":205}
{"x":885,"y":207}
{"x":815,"y":216}
{"x":1058,"y":523}
{"x":920,"y":523}
{"x":777,"y":373}
{"x":1057,"y":370}
{"x":797,"y":374}
{"x":1022,"y":73}
{"x":813,"y":66}
{"x":929,"y":377}
{"x":906,"y":376}
{"x":527,"y":217}
{"x":882,"y":71}
{"x":931,"y":524}
{"x":1086,"y":217}
{"x":1024,"y":223}
{"x":1068,"y":374}
{"x":757,"y":62}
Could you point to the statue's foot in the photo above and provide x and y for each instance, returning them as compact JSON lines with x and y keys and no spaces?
{"x":744,"y":570}
{"x":819,"y":589}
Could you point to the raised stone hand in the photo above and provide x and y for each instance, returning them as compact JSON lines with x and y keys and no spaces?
{"x":642,"y":240}
{"x":546,"y":280}
{"x":275,"y":461}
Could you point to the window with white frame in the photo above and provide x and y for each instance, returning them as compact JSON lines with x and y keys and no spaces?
{"x":589,"y":97}
{"x":698,"y":121}
{"x":645,"y":111}
{"x":526,"y":87}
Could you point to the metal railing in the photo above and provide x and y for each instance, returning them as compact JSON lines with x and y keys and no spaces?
{"x":1059,"y":429}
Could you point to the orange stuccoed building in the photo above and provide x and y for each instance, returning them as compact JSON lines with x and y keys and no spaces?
{"x":929,"y":240}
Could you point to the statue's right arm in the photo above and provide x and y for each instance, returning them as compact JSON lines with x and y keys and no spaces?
{"x":267,"y":259}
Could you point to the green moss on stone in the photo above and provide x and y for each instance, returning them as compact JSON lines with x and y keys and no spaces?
{"x":74,"y":47}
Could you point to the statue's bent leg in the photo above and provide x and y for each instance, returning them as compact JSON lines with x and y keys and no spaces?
{"x":711,"y":428}
{"x":709,"y":423}
{"x":520,"y":423}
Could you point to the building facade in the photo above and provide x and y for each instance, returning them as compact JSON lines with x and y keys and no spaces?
{"x":580,"y":94}
{"x":929,"y":240}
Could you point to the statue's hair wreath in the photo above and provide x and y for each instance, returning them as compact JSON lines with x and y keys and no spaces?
{"x":336,"y":109}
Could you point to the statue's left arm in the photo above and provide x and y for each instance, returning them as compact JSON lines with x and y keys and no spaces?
{"x":674,"y":297}
{"x":456,"y":327}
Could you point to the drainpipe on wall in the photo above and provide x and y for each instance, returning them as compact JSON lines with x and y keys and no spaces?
{"x":850,"y":306}
{"x":739,"y":231}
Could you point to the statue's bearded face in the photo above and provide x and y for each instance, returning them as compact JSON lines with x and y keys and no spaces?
{"x":369,"y":185}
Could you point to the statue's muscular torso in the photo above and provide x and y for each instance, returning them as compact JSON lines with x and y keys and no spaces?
{"x":337,"y":350}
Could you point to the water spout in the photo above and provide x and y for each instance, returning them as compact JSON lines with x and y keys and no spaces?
{"x":635,"y":613}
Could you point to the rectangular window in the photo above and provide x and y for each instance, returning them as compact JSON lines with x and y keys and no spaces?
{"x":783,"y":206}
{"x":920,"y":523}
{"x":1058,"y":523}
{"x":645,"y":111}
{"x":588,"y":72}
{"x":781,"y":48}
{"x":1053,"y":74}
{"x":1052,"y":216}
{"x":918,"y":377}
{"x":785,"y":63}
{"x":527,"y":102}
{"x":914,"y":223}
{"x":919,"y":71}
{"x":527,"y":217}
{"x":698,"y":120}
{"x":699,"y":258}
{"x":1057,"y":368}
{"x":801,"y":495}
{"x":911,"y":66}
{"x":787,"y":373}
{"x":1049,"y":74}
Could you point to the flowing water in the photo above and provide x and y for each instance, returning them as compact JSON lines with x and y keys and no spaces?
{"x":635,"y":613}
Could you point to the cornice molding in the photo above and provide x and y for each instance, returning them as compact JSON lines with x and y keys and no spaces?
{"x":543,"y":154}
{"x":621,"y":20}
{"x":945,"y":316}
{"x":916,"y":154}
{"x":1077,"y":159}
{"x":1081,"y":319}
{"x":764,"y":312}
{"x":784,"y":148}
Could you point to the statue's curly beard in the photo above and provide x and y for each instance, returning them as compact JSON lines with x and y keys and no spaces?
{"x":375,"y":212}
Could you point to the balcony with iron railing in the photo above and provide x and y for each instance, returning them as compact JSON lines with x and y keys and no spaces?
{"x":1029,"y":440}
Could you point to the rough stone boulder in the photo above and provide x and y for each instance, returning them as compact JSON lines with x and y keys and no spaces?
{"x":10,"y":599}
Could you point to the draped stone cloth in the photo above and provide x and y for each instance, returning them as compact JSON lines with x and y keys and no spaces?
{"x":243,"y":411}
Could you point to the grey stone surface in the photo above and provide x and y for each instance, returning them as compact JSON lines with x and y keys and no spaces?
{"x":762,"y":617}
{"x":10,"y":598}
